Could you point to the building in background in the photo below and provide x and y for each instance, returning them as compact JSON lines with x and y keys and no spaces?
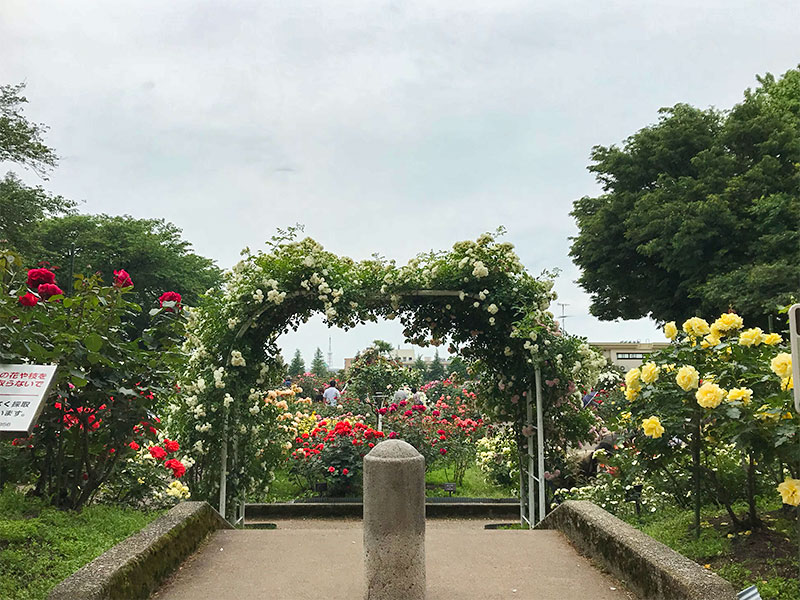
{"x":628,"y":355}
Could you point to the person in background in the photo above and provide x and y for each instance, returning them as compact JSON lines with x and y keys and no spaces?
{"x":401,"y":394}
{"x":418,"y":397}
{"x":331,"y":394}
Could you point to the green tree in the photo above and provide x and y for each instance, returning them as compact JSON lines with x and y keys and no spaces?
{"x":699,"y":212}
{"x":420,"y":366}
{"x":382,"y":347}
{"x":151,"y":250}
{"x":21,"y":140}
{"x":298,"y":365}
{"x":318,"y":366}
{"x":21,"y":208}
{"x":459,"y":367}
{"x":436,"y":369}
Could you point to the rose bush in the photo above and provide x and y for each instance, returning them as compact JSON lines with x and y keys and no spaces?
{"x":106,"y":387}
{"x":333,"y":453}
{"x":715,"y":405}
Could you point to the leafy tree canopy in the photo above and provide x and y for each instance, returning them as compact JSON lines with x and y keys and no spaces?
{"x":382,"y":346}
{"x":151,"y":250}
{"x":21,"y":140}
{"x":699,"y":212}
{"x":21,"y":208}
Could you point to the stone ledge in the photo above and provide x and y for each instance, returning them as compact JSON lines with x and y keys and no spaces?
{"x":649,"y":568}
{"x":134,"y":568}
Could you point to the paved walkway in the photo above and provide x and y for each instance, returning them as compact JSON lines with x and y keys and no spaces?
{"x":313,"y":559}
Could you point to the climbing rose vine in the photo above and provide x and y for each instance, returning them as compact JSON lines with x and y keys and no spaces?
{"x":477,"y":298}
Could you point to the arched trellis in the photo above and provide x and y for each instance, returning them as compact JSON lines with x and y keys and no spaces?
{"x":476,"y":296}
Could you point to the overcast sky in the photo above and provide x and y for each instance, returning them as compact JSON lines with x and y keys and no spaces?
{"x":390,"y":127}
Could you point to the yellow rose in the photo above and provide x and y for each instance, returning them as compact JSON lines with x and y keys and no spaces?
{"x":743,"y":394}
{"x":790,"y":491}
{"x":709,"y":395}
{"x":696,"y":327}
{"x":670,"y":330}
{"x":727,"y":322}
{"x":771,"y":339}
{"x":649,"y":372}
{"x":632,"y":380}
{"x":751,"y":337}
{"x":631,"y":393}
{"x":626,"y":416}
{"x":687,"y":377}
{"x":787,"y":383}
{"x":782,"y":365}
{"x":710,"y":341}
{"x":652,"y":427}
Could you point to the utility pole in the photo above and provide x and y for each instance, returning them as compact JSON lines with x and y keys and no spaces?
{"x":330,"y":353}
{"x":563,"y":316}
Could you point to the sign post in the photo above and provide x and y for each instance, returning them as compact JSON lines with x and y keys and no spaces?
{"x":23,"y":389}
{"x":794,"y":341}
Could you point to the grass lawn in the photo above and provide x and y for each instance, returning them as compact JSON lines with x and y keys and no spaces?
{"x":766,"y":558}
{"x":285,"y":488}
{"x":40,"y":546}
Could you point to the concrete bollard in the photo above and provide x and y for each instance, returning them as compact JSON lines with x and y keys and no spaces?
{"x":394,"y":522}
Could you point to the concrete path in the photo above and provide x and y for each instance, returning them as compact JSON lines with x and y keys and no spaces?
{"x":313,"y":559}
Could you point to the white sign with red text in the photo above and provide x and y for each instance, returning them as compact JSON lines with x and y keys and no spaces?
{"x":23,"y":389}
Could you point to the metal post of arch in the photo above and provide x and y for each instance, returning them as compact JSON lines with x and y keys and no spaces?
{"x":531,"y":477}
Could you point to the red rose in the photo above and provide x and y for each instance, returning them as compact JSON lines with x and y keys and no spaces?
{"x":170,"y":297}
{"x":36,"y":277}
{"x":134,"y":446}
{"x":177,"y":467}
{"x":171,"y":445}
{"x":122,"y":279}
{"x":49,"y":289}
{"x":28,"y":300}
{"x":331,"y":470}
{"x":442,"y":451}
{"x":345,"y":471}
{"x":158,"y":452}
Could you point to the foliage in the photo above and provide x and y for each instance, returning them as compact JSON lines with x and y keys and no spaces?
{"x":445,"y":431}
{"x":458,"y":368}
{"x":333,"y":453}
{"x":40,"y":546}
{"x":436,"y":368}
{"x":150,"y":478}
{"x":21,"y":208}
{"x":20,"y":139}
{"x":715,"y":399}
{"x":106,"y":385}
{"x":438,"y":296}
{"x":374,"y":376}
{"x":298,"y":365}
{"x":318,"y":365}
{"x":497,"y":457}
{"x":764,"y":558}
{"x":698,"y":212}
{"x":153,"y":249}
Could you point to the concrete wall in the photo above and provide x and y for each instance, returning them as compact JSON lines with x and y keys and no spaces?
{"x":649,"y":568}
